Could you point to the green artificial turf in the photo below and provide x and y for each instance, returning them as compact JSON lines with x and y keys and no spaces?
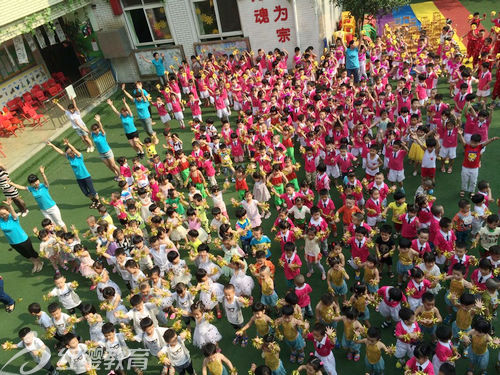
{"x":26,"y":288}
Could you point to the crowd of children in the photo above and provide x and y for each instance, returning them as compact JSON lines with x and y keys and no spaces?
{"x":302,"y":140}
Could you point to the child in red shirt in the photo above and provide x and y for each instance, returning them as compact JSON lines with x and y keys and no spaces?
{"x":302,"y":290}
{"x":409,"y":223}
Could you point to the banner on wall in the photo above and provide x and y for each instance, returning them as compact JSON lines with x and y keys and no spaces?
{"x":31,"y":42}
{"x":59,"y":31}
{"x":40,"y":38}
{"x":11,"y":59}
{"x":22,"y":56}
{"x":50,"y":34}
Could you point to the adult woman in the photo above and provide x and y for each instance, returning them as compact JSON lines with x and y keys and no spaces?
{"x":17,"y":237}
{"x":7,"y":300}
{"x":141,"y":101}
{"x":74,"y":116}
{"x":9,"y":191}
{"x":352,"y":60}
{"x":82,"y":175}
{"x":127,"y":119}
{"x":98,"y":135}
{"x":42,"y":196}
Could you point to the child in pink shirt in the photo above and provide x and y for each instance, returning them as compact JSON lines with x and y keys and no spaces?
{"x":194,"y":104}
{"x":302,"y":290}
{"x":409,"y":223}
{"x":177,"y":108}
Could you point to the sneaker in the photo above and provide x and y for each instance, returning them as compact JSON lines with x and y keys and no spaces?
{"x":25,"y":213}
{"x":349,"y":356}
{"x":117,"y":178}
{"x":414,"y":173}
{"x":88,"y":149}
{"x":356,"y":357}
{"x":236,"y":340}
{"x":293,"y":358}
{"x":92,"y":149}
{"x":385,"y":324}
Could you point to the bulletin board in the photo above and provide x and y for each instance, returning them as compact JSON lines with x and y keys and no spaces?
{"x":221,"y":47}
{"x":173,"y":56}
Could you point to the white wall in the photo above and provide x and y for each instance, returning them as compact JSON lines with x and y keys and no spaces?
{"x":264,"y":35}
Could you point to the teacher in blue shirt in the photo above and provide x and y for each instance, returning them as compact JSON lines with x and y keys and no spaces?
{"x":42,"y":196}
{"x":16,"y":236}
{"x":159,"y":67}
{"x":352,"y":60}
{"x":82,"y":175}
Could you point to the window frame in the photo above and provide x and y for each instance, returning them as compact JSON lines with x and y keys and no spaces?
{"x":131,"y":28}
{"x":221,"y":35}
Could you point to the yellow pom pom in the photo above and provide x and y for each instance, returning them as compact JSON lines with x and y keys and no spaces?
{"x":473,"y":27}
{"x":493,"y":13}
{"x":470,"y":16}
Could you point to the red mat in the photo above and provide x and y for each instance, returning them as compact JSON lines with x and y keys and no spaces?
{"x":454,"y":10}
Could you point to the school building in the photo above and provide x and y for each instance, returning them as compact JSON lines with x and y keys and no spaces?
{"x":41,"y":38}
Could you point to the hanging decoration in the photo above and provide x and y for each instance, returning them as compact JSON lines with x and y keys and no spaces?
{"x":31,"y":42}
{"x":11,"y":59}
{"x":50,"y":34}
{"x":40,"y":38}
{"x":59,"y":31}
{"x":20,"y":48}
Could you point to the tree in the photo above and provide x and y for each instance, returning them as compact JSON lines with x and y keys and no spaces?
{"x":360,"y":8}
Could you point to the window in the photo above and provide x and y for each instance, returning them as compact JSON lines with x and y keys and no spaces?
{"x":217,"y":18}
{"x":9,"y":70}
{"x":147,"y":22}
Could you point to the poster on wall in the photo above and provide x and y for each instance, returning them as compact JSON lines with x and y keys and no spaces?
{"x":31,"y":42}
{"x":59,"y":31}
{"x":50,"y":34}
{"x":22,"y":56}
{"x":11,"y":59}
{"x":40,"y":38}
{"x":173,"y":57}
{"x":222,"y":47}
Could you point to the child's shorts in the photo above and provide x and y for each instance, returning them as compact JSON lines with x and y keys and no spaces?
{"x":179,"y":116}
{"x":270,"y":300}
{"x":455,"y":330}
{"x":376,"y":368}
{"x":349,"y":344}
{"x":204,"y":94}
{"x":428,"y":330}
{"x":483,"y":93}
{"x":479,"y":361}
{"x":414,"y":303}
{"x":389,"y":312}
{"x":373,"y":220}
{"x":340,"y":290}
{"x":297,"y":344}
{"x":280,"y":370}
{"x":199,"y":118}
{"x":372,"y":288}
{"x":396,"y":176}
{"x":402,"y":269}
{"x":428,"y":172}
{"x":448,"y":152}
{"x":403,"y":349}
{"x":365,"y":315}
{"x":222,"y":113}
{"x":165,"y":118}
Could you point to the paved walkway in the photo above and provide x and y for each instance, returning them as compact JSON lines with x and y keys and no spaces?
{"x":31,"y":140}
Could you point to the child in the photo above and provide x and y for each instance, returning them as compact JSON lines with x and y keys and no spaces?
{"x":420,"y":360}
{"x":352,"y":328}
{"x":313,"y":253}
{"x":65,"y":292}
{"x":270,"y":353}
{"x":213,"y":363}
{"x":232,"y":307}
{"x":291,"y":263}
{"x":115,"y":346}
{"x":41,"y":317}
{"x":269,"y":296}
{"x":302,"y":290}
{"x":385,"y":247}
{"x":397,"y":153}
{"x":389,"y":307}
{"x":139,"y":311}
{"x":373,"y":208}
{"x":174,"y":353}
{"x":465,"y":312}
{"x":76,"y":355}
{"x":472,"y":160}
{"x":374,"y":362}
{"x":398,"y":207}
{"x":462,"y":221}
{"x":211,"y":293}
{"x":336,"y":279}
{"x":323,"y":346}
{"x":36,"y":347}
{"x":204,"y":332}
{"x":320,"y":224}
{"x":445,"y":351}
{"x":479,"y":338}
{"x":488,"y":235}
{"x":243,"y":225}
{"x":407,"y":334}
{"x":406,"y":256}
{"x":292,"y":332}
{"x":360,"y":300}
{"x":409,"y":223}
{"x":314,"y":366}
{"x":416,"y":287}
{"x":262,"y":321}
{"x":299,"y":211}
